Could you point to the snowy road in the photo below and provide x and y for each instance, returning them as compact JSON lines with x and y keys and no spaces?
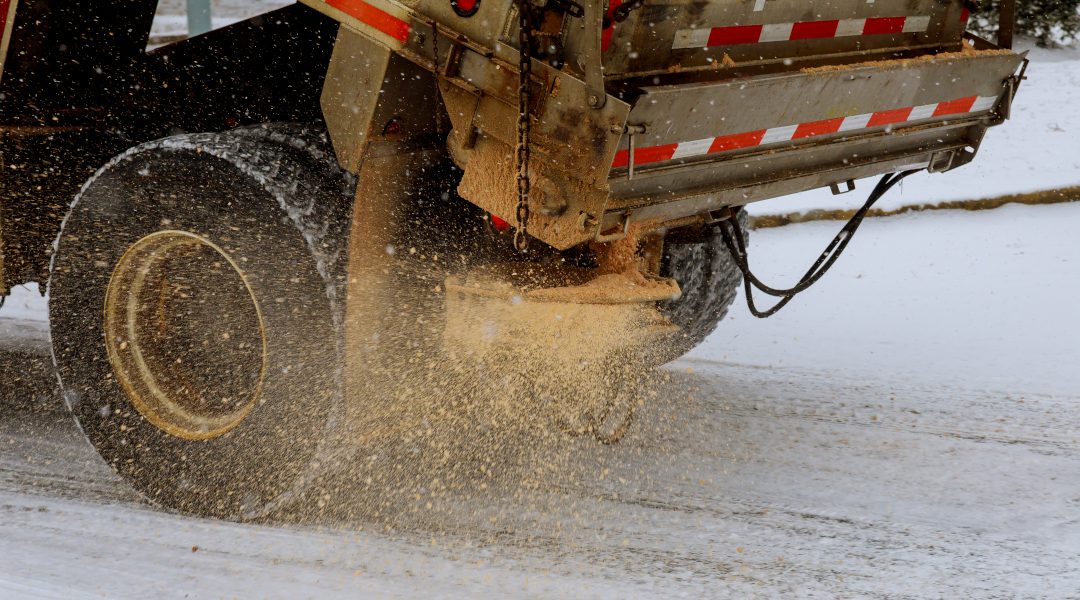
{"x":910,"y":429}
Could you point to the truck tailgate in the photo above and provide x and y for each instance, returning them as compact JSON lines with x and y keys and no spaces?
{"x":735,"y":141}
{"x":659,"y":36}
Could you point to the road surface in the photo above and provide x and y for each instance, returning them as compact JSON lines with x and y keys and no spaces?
{"x":929,"y":450}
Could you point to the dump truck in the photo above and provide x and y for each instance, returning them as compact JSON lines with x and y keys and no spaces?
{"x":301,"y":231}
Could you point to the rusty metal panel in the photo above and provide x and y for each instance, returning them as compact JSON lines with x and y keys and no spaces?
{"x":578,"y":139}
{"x":572,"y":146}
{"x":670,"y":35}
{"x":567,"y":133}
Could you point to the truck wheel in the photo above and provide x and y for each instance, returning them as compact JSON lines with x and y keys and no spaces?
{"x":194,"y":307}
{"x":710,"y":281}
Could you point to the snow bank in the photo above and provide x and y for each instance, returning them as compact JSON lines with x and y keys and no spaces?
{"x":979,"y":299}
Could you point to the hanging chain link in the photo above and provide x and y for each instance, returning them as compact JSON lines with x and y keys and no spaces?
{"x":525,"y":34}
{"x":438,"y":75}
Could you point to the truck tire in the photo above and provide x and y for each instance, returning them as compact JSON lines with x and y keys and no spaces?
{"x":195,"y":307}
{"x":710,"y":281}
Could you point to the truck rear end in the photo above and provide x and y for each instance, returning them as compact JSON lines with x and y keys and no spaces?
{"x":741,"y":102}
{"x":666,"y":111}
{"x":333,"y":220}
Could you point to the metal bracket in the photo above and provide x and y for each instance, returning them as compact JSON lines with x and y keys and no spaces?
{"x":1006,"y":23}
{"x":623,"y":230}
{"x":594,"y":62}
{"x":630,"y":131}
{"x":1012,"y":84}
{"x":940,"y":162}
{"x":849,"y":186}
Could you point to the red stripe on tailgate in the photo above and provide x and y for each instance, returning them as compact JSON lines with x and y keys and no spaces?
{"x":885,"y":117}
{"x":729,"y":36}
{"x":955,"y":107}
{"x":736,"y":141}
{"x":5,"y":6}
{"x":375,"y":17}
{"x":881,"y":25}
{"x":645,"y":155}
{"x":827,"y":126}
{"x":806,"y":30}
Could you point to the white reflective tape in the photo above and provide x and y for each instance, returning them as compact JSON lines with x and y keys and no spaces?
{"x":778,"y":32}
{"x":694,"y":148}
{"x":850,"y":27}
{"x":779,"y":134}
{"x":984,"y":103}
{"x":916,"y":24}
{"x":922,"y":112}
{"x":855,"y":122}
{"x":691,"y":38}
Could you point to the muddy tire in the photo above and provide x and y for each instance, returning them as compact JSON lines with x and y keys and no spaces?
{"x":710,"y":281}
{"x":195,"y":307}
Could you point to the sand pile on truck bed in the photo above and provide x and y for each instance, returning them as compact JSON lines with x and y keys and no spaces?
{"x":901,"y":63}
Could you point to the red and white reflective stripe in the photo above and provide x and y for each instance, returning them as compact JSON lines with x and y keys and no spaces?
{"x":7,"y":13}
{"x":787,"y":133}
{"x":802,"y":30}
{"x":385,"y":20}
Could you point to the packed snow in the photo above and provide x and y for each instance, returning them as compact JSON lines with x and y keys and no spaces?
{"x":974,"y":298}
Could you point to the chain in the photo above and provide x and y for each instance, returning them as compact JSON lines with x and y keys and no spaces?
{"x":438,"y":91}
{"x":522,"y":151}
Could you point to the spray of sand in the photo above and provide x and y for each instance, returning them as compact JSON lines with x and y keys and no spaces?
{"x":463,"y":388}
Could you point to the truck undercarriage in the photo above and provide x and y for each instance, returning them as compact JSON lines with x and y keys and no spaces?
{"x":309,"y":230}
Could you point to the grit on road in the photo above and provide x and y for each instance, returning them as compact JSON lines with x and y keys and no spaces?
{"x":907,"y":430}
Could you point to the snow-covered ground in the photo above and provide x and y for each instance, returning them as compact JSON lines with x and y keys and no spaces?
{"x":24,"y":320}
{"x":906,"y":429}
{"x":25,"y":303}
{"x":982,"y":298}
{"x":1037,"y":150}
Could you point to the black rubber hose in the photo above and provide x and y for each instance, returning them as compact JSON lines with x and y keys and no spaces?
{"x":736,"y":245}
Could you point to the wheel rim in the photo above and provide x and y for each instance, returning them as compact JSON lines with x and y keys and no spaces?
{"x":184,"y":335}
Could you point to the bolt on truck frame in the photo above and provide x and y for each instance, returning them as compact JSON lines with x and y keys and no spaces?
{"x":238,"y":230}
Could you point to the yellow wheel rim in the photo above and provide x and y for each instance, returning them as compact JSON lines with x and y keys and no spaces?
{"x":185,"y":335}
